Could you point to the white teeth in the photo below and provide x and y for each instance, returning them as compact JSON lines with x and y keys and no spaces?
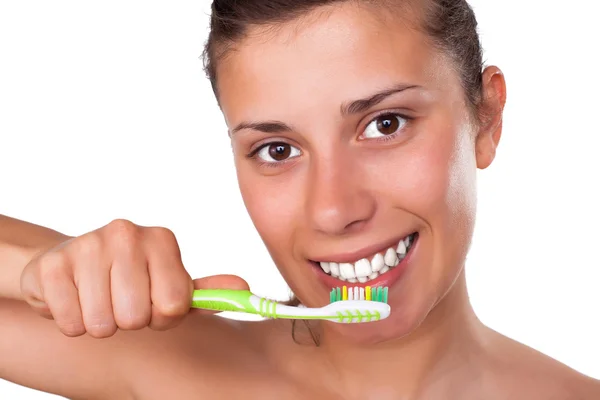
{"x":391,"y":258}
{"x":362,"y":271}
{"x":377,"y":263}
{"x":401,"y":250}
{"x":335,"y":269}
{"x":362,"y":268}
{"x":347,"y":270}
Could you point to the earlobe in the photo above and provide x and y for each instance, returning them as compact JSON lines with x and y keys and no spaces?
{"x":490,"y":131}
{"x":486,"y":147}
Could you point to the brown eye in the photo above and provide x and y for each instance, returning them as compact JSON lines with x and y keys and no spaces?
{"x":387,"y":124}
{"x":277,"y":152}
{"x":384,"y":125}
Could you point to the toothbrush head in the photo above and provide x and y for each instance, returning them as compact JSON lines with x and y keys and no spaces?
{"x":356,"y":304}
{"x":367,"y":293}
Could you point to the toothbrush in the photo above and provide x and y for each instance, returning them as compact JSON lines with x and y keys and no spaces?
{"x":347,"y":305}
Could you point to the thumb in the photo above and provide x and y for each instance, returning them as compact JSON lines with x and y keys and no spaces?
{"x":218,"y":282}
{"x":221,"y":282}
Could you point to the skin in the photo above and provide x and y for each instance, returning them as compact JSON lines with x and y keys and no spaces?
{"x":341,"y":191}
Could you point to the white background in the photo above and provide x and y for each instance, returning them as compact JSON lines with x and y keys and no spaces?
{"x":105,"y":113}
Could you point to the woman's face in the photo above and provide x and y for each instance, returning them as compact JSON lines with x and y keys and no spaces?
{"x":351,"y":137}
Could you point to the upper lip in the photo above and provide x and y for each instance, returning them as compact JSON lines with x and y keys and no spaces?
{"x":365,"y":252}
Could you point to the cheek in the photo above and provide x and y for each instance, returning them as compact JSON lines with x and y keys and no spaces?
{"x":442,"y":179}
{"x":272,"y":204}
{"x":434,"y":178}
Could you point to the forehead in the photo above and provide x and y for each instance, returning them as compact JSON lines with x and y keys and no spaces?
{"x":334,"y":55}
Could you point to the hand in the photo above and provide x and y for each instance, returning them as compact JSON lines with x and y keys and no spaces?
{"x":121,"y":276}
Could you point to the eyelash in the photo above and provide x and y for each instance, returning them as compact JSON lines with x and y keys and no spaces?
{"x":393,"y":135}
{"x":253,"y":154}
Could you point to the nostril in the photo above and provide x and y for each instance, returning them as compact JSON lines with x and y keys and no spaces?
{"x":355,"y":226}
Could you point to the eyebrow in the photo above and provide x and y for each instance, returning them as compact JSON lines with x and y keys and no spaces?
{"x":266,"y":127}
{"x":354,"y":107}
{"x":362,"y":105}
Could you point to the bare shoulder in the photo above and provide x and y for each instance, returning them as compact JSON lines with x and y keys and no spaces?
{"x":531,"y":374}
{"x":566,"y":383}
{"x":562,"y":382}
{"x":588,"y":388}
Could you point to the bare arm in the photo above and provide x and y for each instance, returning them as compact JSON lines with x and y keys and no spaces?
{"x":33,"y":351}
{"x":19,"y":243}
{"x":35,"y":354}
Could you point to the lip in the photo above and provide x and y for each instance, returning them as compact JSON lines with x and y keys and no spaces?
{"x":385,"y":280}
{"x":366,"y":252}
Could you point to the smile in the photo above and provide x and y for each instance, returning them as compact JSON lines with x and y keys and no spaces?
{"x":369,"y":268}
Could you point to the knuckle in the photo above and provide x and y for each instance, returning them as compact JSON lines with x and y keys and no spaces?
{"x":121,"y":224}
{"x":124,"y":234}
{"x":122,"y":228}
{"x":88,"y":246}
{"x":166,"y":237}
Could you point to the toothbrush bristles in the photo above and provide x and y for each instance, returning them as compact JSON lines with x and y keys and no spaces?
{"x":379,"y":294}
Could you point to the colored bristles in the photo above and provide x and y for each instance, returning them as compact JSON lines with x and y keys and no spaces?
{"x":368,"y":293}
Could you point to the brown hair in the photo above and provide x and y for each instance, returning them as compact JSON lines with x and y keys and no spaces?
{"x":449,"y":24}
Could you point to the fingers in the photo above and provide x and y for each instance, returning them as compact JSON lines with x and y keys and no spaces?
{"x":130,"y":285}
{"x":171,"y":289}
{"x":121,"y":276}
{"x":61,"y":295}
{"x":92,"y":279}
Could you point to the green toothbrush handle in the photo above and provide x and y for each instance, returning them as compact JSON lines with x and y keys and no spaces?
{"x":224,"y":300}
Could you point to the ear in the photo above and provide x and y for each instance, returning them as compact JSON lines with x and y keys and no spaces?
{"x":492,"y":107}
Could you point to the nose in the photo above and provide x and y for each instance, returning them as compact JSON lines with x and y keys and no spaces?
{"x":339,"y":200}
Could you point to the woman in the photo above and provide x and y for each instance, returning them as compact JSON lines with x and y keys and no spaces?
{"x":357,"y":127}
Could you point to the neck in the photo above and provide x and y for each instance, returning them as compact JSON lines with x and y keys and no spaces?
{"x":435,"y":354}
